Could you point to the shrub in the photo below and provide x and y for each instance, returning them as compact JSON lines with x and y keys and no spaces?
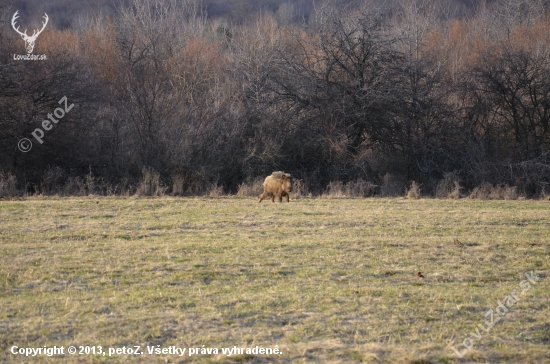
{"x":481,"y":192}
{"x":448,"y":187}
{"x":299,"y":189}
{"x":178,"y":181}
{"x":504,"y":192}
{"x":414,"y":191}
{"x":52,"y":181}
{"x":251,"y":188}
{"x":543,"y":195}
{"x":7,"y":184}
{"x":335,"y":189}
{"x":150,"y":183}
{"x":391,"y":187}
{"x":498,"y":192}
{"x":74,"y":186}
{"x":357,"y":188}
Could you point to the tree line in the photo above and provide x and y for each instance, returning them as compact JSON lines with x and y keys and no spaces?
{"x":335,"y":91}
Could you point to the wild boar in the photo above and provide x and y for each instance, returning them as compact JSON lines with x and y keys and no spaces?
{"x":279,"y":184}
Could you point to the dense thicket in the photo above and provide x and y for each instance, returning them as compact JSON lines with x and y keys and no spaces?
{"x":217,"y":93}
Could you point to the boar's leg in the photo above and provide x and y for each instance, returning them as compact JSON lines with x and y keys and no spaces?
{"x":284,"y":194}
{"x":263,"y":195}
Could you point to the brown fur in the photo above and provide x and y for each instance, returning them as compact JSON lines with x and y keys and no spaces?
{"x":279,"y":184}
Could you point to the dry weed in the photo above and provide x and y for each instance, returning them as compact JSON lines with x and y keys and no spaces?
{"x":178,"y":181}
{"x":358,"y":188}
{"x":150,"y":184}
{"x":414,"y":191}
{"x":448,"y":187}
{"x":8,"y":184}
{"x":391,"y":187}
{"x":251,"y":188}
{"x":499,"y":192}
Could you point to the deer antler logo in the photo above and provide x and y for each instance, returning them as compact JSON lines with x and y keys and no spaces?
{"x":29,"y":41}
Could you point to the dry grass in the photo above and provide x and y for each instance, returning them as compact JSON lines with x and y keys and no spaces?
{"x":448,"y":187}
{"x":487,"y":191}
{"x":413,"y":192}
{"x":215,"y":190}
{"x":357,"y":188}
{"x":178,"y":181}
{"x":150,"y":183}
{"x":391,"y":187}
{"x":328,"y":281}
{"x":299,"y":189}
{"x":251,"y":188}
{"x":7,"y":184}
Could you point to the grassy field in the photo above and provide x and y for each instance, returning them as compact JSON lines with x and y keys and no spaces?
{"x":323,"y":280}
